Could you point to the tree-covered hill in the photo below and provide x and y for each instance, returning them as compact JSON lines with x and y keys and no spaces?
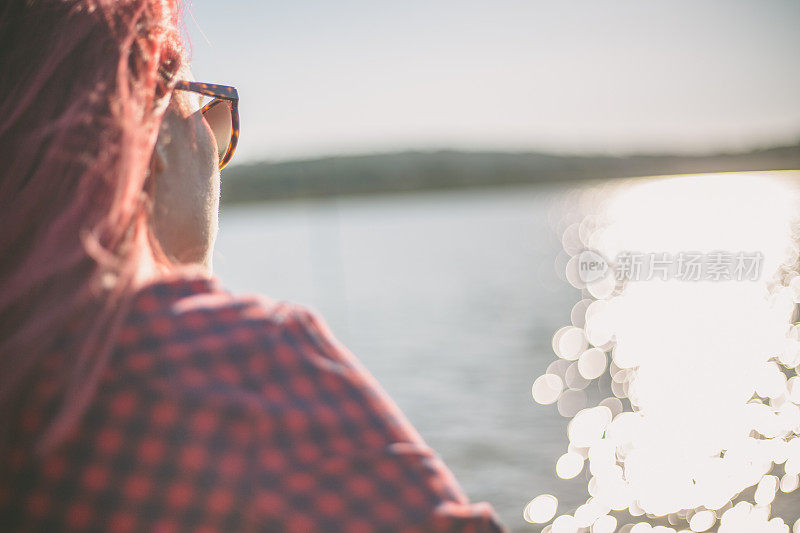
{"x":410,"y":171}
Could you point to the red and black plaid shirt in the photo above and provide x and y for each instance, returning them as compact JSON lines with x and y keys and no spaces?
{"x":220,"y":413}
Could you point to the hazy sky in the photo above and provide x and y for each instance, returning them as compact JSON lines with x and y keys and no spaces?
{"x":324,"y":77}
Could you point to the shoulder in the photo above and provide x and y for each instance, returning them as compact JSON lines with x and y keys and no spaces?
{"x":195,"y":321}
{"x":192,"y":338}
{"x":261,"y":395}
{"x":179,"y":310}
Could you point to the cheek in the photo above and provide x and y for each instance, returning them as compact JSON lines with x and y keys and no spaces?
{"x":206,"y":145}
{"x":190,"y":195}
{"x":208,"y":171}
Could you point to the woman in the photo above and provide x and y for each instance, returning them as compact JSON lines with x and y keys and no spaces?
{"x":135,"y":393}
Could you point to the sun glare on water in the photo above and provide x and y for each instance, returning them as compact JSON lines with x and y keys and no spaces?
{"x":679,"y":370}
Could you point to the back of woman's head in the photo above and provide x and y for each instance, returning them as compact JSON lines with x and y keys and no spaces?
{"x":83,"y":85}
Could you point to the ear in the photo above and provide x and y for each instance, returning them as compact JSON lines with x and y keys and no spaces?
{"x":158,"y":160}
{"x":156,"y":168}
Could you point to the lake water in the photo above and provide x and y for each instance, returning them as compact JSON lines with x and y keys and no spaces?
{"x":450,"y":299}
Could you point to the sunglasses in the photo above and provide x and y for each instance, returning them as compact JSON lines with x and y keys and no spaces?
{"x":221,"y":114}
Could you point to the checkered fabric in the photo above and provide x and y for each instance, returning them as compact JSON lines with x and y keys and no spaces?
{"x":222,"y":413}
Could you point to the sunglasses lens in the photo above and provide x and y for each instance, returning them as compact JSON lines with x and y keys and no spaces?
{"x":218,"y":117}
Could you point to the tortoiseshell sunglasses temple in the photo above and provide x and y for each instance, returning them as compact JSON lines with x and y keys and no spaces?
{"x":218,"y":92}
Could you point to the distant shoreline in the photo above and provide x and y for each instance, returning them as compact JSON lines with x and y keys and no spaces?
{"x":353,"y":175}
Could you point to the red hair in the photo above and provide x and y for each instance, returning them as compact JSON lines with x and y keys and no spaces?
{"x":83,"y":87}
